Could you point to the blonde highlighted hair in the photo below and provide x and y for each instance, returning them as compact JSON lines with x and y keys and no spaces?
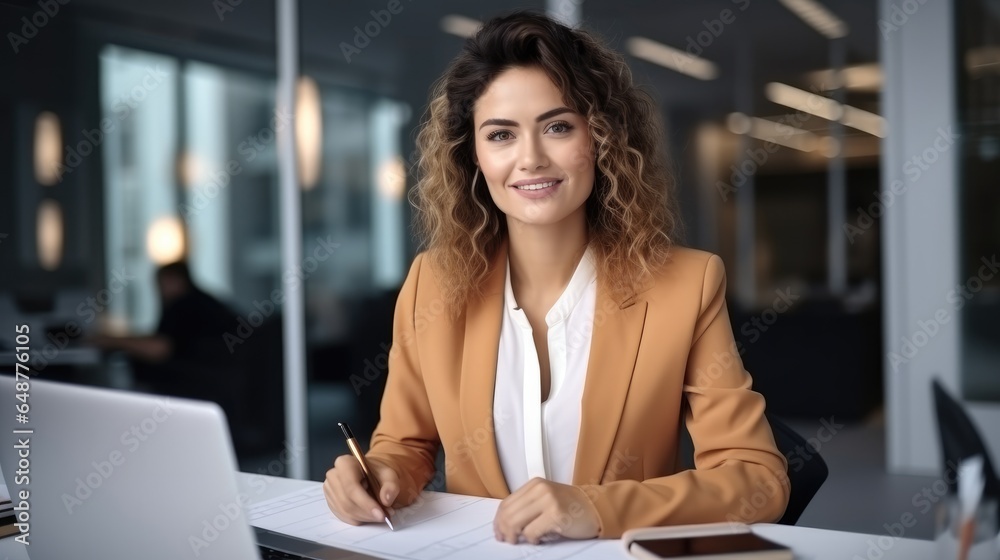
{"x":631,"y":214}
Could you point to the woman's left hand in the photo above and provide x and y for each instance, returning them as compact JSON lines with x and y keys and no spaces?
{"x":542,"y":507}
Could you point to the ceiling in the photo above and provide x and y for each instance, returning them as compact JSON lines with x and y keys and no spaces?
{"x":765,"y":41}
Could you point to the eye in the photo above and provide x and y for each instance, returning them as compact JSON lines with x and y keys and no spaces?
{"x":499,"y":136}
{"x":560,"y":127}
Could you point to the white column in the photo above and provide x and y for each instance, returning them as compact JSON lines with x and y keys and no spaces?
{"x":293,"y":323}
{"x":920,"y":234}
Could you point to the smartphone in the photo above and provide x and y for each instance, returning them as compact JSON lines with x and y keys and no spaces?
{"x":711,"y":547}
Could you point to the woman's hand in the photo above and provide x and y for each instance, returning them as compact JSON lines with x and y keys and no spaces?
{"x":346,"y":490}
{"x":541,"y":508}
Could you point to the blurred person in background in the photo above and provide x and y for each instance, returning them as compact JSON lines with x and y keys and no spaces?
{"x":187,"y":355}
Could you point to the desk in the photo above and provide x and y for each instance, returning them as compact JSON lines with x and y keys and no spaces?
{"x":807,"y":542}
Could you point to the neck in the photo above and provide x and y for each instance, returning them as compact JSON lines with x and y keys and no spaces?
{"x":543,"y":258}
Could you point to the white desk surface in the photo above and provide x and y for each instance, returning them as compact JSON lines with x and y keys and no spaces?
{"x":808,"y":543}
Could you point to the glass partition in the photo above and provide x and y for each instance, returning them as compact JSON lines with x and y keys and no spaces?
{"x":978,"y":293}
{"x":192,"y":173}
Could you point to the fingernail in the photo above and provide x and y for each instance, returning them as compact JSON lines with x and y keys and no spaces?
{"x":377,"y":514}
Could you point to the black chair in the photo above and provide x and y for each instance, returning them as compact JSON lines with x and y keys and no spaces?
{"x":960,"y":440}
{"x":807,"y":471}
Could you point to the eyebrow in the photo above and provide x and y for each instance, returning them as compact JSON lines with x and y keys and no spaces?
{"x":539,"y":118}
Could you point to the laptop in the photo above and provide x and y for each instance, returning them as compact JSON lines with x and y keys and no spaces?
{"x":118,"y":475}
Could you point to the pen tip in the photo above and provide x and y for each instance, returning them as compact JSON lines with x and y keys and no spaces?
{"x":389,"y":523}
{"x":346,"y":429}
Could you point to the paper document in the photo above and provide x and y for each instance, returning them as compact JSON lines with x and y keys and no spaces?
{"x":437,"y":526}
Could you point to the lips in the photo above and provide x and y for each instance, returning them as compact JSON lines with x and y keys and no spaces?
{"x":536,"y":184}
{"x":538,"y":188}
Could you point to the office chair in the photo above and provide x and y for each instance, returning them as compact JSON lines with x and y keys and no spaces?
{"x":805,"y":475}
{"x":960,"y":440}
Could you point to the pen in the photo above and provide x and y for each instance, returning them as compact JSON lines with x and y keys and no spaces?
{"x":374,"y":488}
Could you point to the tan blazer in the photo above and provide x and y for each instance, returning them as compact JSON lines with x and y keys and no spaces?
{"x":664,"y":357}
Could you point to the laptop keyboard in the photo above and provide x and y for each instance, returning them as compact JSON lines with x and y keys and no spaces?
{"x":268,"y":553}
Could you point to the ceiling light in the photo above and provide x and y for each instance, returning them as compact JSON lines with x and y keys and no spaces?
{"x":775,"y":132}
{"x":864,"y":121}
{"x":802,"y":100}
{"x":674,"y":59}
{"x":165,"y":240}
{"x":49,"y":234}
{"x":460,"y":25}
{"x":308,"y":131}
{"x":861,"y":77}
{"x":784,"y":135}
{"x":392,"y":179}
{"x":739,"y":123}
{"x":829,"y":146}
{"x":818,"y":17}
{"x":48,"y":148}
{"x":826,"y":108}
{"x":189,"y":169}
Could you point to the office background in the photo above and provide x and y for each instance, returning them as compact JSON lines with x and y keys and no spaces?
{"x":859,"y":224}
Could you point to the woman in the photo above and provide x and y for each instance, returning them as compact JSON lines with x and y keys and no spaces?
{"x":552,"y":337}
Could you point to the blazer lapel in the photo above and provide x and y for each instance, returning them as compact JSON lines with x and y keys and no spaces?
{"x":479,"y":367}
{"x":613,"y":350}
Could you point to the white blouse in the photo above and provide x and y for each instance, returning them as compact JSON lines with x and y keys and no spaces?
{"x":536,"y":439}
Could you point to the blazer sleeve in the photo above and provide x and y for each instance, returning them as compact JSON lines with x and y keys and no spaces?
{"x":406,"y":437}
{"x":739,"y":476}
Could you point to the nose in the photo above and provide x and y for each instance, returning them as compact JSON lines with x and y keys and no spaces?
{"x":532,"y":155}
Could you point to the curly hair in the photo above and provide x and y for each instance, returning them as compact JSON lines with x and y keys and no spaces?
{"x":631,"y":213}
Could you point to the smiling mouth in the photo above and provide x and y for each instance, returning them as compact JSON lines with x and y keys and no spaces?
{"x":537,"y":186}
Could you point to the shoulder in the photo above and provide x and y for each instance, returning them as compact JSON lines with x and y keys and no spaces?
{"x":423,"y":270}
{"x":690,"y":266}
{"x":421,"y":282}
{"x":688,"y":273}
